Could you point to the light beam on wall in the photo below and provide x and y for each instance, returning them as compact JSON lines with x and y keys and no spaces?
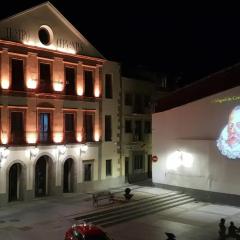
{"x":179,"y":159}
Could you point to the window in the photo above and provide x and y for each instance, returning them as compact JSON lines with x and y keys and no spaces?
{"x":147,"y":127}
{"x":128,"y":126}
{"x":108,"y":128}
{"x":44,"y":127}
{"x":70,"y":81}
{"x":88,"y":121}
{"x":17,"y":128}
{"x":138,"y":105}
{"x":87,"y":176}
{"x":138,"y":162}
{"x":45,"y":77}
{"x":17,"y":75}
{"x":128,"y":99}
{"x":108,"y":86}
{"x":69,"y":127}
{"x":147,"y":100}
{"x":109,"y":167}
{"x":88,"y":83}
{"x":138,"y":131}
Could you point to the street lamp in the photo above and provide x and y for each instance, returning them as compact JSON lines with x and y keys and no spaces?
{"x":4,"y":152}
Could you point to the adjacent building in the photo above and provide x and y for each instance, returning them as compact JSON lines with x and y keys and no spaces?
{"x":196,"y":138}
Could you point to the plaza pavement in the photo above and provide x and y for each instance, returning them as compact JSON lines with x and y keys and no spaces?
{"x":48,"y":218}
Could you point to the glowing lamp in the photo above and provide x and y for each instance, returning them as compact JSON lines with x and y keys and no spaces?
{"x":79,"y":91}
{"x":4,"y":138}
{"x":58,"y":137}
{"x":179,"y":159}
{"x":31,"y":83}
{"x":79,"y":137}
{"x":62,"y":149}
{"x":5,"y":84}
{"x":96,"y":92}
{"x":31,"y":138}
{"x":58,"y":86}
{"x":83,"y":148}
{"x":96,"y":136}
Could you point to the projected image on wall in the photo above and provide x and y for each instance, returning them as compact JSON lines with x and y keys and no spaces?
{"x":228,"y":142}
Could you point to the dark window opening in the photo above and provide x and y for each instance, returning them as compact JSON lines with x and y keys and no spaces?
{"x":109,"y":167}
{"x":87,"y":172}
{"x":147,"y":127}
{"x":45,"y":78}
{"x":138,"y":105}
{"x":138,"y":131}
{"x":108,"y":86}
{"x":44,"y":36}
{"x":88,"y":127}
{"x":147,"y":102}
{"x":128,"y":99}
{"x":108,"y":128}
{"x":70,"y":81}
{"x":44,"y":128}
{"x":88,"y":83}
{"x":69,"y":127}
{"x":17,"y":128}
{"x":17,"y":75}
{"x":128,"y":126}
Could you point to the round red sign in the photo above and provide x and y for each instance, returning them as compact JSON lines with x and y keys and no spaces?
{"x":154,"y":158}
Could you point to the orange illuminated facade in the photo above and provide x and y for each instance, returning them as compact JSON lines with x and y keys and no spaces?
{"x":52,"y":104}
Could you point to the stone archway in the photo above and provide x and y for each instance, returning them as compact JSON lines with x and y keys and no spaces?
{"x":68,"y":176}
{"x":43,"y":173}
{"x":15,"y":186}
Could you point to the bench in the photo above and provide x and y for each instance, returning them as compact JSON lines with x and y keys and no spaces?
{"x":102,"y":195}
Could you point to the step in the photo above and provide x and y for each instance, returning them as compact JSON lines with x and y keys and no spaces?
{"x":127,"y":204}
{"x":135,"y":207}
{"x":138,"y":210}
{"x":138,"y":215}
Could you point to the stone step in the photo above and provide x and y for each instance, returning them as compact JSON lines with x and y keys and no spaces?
{"x":134,"y":209}
{"x":127,"y":205}
{"x":143,"y":213}
{"x":140,"y":211}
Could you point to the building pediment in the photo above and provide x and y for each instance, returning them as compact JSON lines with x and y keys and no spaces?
{"x":45,"y":27}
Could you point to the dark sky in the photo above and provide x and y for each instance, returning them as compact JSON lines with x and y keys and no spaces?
{"x":190,"y":41}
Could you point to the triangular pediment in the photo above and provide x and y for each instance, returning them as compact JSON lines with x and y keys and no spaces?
{"x":25,"y":27}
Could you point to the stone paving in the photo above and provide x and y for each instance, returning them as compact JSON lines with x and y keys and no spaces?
{"x":50,"y":217}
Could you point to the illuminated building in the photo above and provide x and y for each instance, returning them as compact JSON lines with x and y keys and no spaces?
{"x":196,"y":138}
{"x":59,"y":109}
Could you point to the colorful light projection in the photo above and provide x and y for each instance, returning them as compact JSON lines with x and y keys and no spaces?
{"x":228,"y":142}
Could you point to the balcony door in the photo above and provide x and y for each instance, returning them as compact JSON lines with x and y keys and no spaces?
{"x":44,"y":127}
{"x":17,"y":128}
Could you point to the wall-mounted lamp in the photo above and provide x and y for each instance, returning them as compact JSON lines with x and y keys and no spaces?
{"x":61,"y":149}
{"x":83,"y":148}
{"x":4,"y":152}
{"x":34,"y":152}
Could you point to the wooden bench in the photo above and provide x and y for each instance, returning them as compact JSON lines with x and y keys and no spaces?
{"x":102,"y":195}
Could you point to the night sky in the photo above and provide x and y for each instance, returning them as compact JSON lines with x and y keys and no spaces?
{"x":188,"y":42}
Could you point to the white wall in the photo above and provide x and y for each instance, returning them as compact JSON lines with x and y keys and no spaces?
{"x":194,"y":128}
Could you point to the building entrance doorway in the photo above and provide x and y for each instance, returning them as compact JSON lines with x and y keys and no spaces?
{"x":15,"y":183}
{"x":68,"y":176}
{"x":42,"y":171}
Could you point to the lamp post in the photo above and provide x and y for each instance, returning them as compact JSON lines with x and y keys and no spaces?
{"x":4,"y":152}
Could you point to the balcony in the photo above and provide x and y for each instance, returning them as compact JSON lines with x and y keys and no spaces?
{"x":69,"y":137}
{"x":17,"y":138}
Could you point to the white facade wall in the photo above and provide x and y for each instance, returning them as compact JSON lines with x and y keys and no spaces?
{"x":194,"y":128}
